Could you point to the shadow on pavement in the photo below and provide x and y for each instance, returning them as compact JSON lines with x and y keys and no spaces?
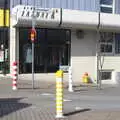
{"x":10,"y":105}
{"x":76,"y":111}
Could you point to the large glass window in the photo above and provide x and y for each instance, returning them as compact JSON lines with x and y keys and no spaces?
{"x":106,"y":42}
{"x":106,"y":9}
{"x":106,"y":2}
{"x":117,"y":43}
{"x":107,"y":6}
{"x":110,"y":43}
{"x":52,"y":49}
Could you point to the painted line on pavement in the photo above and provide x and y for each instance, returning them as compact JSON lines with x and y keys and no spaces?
{"x":46,"y":94}
{"x":67,"y":100}
{"x":78,"y":108}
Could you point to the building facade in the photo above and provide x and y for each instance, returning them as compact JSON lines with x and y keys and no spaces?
{"x":4,"y":36}
{"x":68,"y":33}
{"x":91,"y":5}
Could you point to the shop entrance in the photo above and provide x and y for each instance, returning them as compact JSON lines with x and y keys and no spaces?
{"x":52,"y":50}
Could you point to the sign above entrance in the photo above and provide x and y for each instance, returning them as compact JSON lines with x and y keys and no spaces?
{"x":42,"y":16}
{"x":39,"y":13}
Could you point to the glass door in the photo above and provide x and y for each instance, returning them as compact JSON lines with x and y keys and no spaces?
{"x":51,"y":50}
{"x":53,"y":58}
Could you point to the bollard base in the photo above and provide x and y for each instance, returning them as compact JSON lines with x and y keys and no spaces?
{"x":14,"y":88}
{"x":60,"y":117}
{"x":70,"y":90}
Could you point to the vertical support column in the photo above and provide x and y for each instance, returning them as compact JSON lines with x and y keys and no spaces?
{"x":14,"y":76}
{"x":17,"y":49}
{"x":70,"y":88}
{"x":59,"y":94}
{"x":13,"y":44}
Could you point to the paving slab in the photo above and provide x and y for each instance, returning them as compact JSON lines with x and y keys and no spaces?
{"x":29,"y":104}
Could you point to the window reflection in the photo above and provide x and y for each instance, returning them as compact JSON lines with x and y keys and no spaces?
{"x":106,"y":2}
{"x":51,"y":50}
{"x":106,"y":10}
{"x":106,"y":6}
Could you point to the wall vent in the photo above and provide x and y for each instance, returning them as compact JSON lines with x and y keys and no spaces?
{"x":106,"y":74}
{"x":80,"y":34}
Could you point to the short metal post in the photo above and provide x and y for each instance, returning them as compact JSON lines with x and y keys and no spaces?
{"x":32,"y":65}
{"x":70,"y":88}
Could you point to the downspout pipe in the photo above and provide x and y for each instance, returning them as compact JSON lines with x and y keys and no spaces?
{"x":61,"y":19}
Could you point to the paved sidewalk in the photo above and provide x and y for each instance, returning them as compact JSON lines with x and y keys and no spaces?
{"x":27,"y":104}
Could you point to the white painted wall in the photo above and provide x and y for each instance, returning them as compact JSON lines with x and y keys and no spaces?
{"x":83,"y":57}
{"x":112,"y":62}
{"x":83,"y":54}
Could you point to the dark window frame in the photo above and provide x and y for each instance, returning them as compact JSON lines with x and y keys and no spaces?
{"x":106,"y":2}
{"x":105,"y":7}
{"x":106,"y":74}
{"x":45,"y":68}
{"x":106,"y":41}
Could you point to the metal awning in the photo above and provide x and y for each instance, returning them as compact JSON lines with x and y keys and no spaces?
{"x":73,"y":19}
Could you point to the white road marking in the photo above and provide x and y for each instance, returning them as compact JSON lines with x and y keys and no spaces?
{"x":78,"y":108}
{"x":46,"y":94}
{"x":67,"y":100}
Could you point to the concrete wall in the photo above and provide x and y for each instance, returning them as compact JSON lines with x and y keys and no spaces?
{"x":83,"y":55}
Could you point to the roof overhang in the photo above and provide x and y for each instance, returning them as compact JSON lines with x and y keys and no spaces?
{"x":23,"y":16}
{"x":73,"y":19}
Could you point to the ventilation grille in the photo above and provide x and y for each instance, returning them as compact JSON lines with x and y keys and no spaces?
{"x":80,"y":34}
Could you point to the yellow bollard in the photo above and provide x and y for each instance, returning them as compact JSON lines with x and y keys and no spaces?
{"x":59,"y":94}
{"x":85,"y":78}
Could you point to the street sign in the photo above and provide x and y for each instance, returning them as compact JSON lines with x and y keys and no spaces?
{"x":64,"y":68}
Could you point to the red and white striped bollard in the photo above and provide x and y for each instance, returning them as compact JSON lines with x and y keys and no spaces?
{"x":14,"y":76}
